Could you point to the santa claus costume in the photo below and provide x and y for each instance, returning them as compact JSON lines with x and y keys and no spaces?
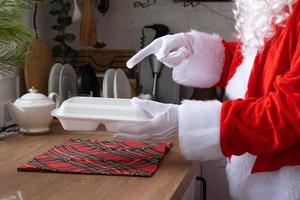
{"x":258,"y":129}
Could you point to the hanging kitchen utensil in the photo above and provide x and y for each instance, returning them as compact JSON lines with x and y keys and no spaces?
{"x":76,"y":17}
{"x":88,"y":30}
{"x":39,"y":61}
{"x":99,"y":45}
{"x":103,"y":6}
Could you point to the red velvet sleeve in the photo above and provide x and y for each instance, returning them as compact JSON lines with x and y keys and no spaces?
{"x":232,"y":60}
{"x":267,"y":125}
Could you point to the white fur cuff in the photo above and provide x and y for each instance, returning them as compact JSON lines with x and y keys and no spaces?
{"x":203,"y":68}
{"x":199,"y":130}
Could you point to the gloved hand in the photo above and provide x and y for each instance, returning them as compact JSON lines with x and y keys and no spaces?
{"x":197,"y":58}
{"x":169,"y":49}
{"x":162,"y":123}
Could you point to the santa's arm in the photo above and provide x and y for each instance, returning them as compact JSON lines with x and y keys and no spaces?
{"x":210,"y":62}
{"x":260,"y":126}
{"x":266,"y":125}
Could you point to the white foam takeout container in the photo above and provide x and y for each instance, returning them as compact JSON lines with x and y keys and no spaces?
{"x":86,"y":113}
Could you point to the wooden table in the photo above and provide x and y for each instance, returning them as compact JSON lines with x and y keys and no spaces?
{"x":169,"y":182}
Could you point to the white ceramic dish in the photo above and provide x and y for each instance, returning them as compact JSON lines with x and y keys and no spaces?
{"x":108,"y":83}
{"x":67,"y":82}
{"x":53,"y":83}
{"x":86,"y":113}
{"x":122,"y":87}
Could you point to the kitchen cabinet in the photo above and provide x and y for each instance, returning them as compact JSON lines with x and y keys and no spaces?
{"x":194,"y":190}
{"x":216,"y":184}
{"x":214,"y":174}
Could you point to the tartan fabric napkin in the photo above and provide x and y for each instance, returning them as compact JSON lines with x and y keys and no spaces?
{"x":100,"y":157}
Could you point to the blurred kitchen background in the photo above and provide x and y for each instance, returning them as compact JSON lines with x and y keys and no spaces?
{"x":121,"y":26}
{"x":100,"y":36}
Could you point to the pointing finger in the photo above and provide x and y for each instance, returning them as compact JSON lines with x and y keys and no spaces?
{"x":152,"y":48}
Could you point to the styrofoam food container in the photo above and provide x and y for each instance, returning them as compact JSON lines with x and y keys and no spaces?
{"x":86,"y":113}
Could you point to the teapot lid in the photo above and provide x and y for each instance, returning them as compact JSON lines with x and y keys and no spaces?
{"x":34,"y":98}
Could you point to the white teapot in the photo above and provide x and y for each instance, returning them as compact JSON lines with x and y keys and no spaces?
{"x":33,"y":111}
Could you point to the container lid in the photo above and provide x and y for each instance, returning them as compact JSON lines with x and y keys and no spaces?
{"x":34,"y":98}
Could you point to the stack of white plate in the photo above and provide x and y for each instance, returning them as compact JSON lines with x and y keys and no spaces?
{"x":63,"y":80}
{"x":108,"y":83}
{"x":116,"y":84}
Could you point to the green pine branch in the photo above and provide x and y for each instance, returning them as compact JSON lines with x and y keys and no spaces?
{"x":13,"y":31}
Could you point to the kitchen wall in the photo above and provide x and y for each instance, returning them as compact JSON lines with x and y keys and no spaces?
{"x":121,"y":27}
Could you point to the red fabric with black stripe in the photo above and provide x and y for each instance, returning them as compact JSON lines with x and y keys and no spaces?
{"x":267,"y":122}
{"x":100,"y":157}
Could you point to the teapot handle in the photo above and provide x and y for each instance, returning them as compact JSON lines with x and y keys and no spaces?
{"x":56,"y":98}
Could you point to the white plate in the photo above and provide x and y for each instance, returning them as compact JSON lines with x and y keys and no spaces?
{"x":53,"y":82}
{"x":86,"y":113}
{"x":67,"y":82}
{"x":108,"y":83}
{"x":122,"y":87}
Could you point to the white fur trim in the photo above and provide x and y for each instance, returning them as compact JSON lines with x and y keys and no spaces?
{"x":199,"y":129}
{"x":238,"y":84}
{"x":276,"y":185}
{"x":203,"y":68}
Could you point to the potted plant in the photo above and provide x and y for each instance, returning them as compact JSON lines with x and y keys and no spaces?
{"x":62,"y":51}
{"x":14,"y":36}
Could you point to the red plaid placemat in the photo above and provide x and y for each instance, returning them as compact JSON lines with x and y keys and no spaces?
{"x":100,"y":157}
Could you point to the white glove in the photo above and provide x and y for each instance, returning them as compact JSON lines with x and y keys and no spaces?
{"x":169,"y":49}
{"x":197,"y":58}
{"x":162,"y":123}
